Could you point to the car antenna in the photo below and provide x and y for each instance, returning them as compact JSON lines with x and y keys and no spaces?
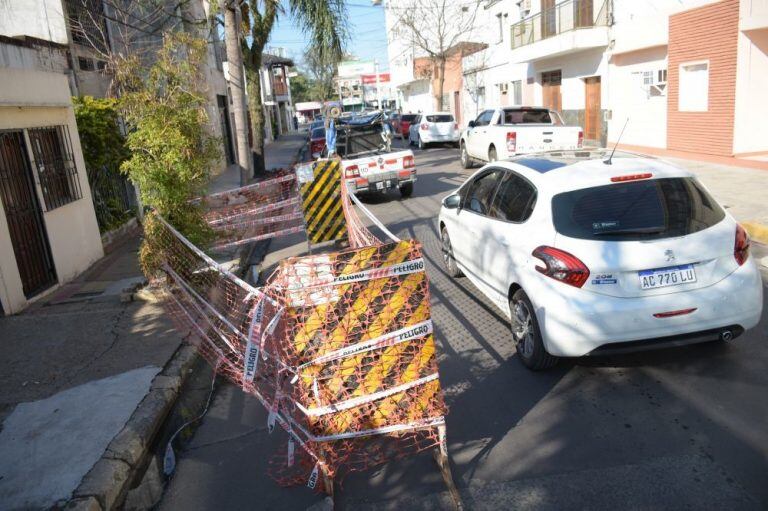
{"x":608,"y":161}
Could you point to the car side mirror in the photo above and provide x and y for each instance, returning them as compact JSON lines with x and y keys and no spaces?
{"x":452,"y":201}
{"x":471,"y":124}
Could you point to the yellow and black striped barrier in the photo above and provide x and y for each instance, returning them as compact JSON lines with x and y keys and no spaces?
{"x":365,"y":352}
{"x":321,"y":203}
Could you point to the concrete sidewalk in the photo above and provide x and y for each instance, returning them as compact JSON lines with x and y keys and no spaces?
{"x":81,"y":392}
{"x":89,"y":376}
{"x":278,"y":154}
{"x":742,"y":191}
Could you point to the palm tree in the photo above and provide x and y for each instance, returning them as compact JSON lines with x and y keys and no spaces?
{"x":324,"y":20}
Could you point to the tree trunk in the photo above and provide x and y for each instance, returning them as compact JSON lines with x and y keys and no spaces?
{"x":237,"y":90}
{"x":441,"y":83}
{"x":257,"y":117}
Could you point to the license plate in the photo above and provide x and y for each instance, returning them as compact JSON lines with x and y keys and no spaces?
{"x":665,"y":277}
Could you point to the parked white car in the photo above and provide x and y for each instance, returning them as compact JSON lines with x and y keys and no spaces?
{"x":587,"y":258}
{"x":433,"y":127}
{"x":500,"y":133}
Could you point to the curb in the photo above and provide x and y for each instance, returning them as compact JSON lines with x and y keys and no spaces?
{"x":756,"y":231}
{"x":105,"y":486}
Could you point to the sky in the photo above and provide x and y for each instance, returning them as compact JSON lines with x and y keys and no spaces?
{"x":368,"y":38}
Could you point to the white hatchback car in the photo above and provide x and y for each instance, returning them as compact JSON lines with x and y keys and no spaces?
{"x":434,"y":127}
{"x":587,"y":257}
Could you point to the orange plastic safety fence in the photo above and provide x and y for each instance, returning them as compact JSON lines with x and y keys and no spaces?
{"x":265,"y":209}
{"x":338,"y":347}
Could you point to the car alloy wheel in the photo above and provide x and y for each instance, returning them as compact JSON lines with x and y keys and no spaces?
{"x":527,"y":335}
{"x":522,"y":329}
{"x":464,"y":156}
{"x":450,"y":262}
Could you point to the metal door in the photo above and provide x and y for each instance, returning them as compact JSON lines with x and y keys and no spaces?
{"x":24,"y":216}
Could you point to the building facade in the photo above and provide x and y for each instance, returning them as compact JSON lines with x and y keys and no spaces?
{"x":276,"y":95}
{"x":686,"y":76}
{"x":48,"y":228}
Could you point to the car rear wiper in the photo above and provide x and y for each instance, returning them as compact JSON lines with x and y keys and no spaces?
{"x":647,"y":230}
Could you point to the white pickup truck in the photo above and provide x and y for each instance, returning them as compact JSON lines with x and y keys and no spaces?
{"x":381,"y":172}
{"x":367,"y":161}
{"x":500,"y":133}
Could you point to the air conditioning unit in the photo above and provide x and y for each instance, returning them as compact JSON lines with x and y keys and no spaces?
{"x":658,"y":86}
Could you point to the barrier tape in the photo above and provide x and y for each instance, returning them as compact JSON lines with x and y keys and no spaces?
{"x":258,"y":221}
{"x":354,"y":402}
{"x":253,"y":186}
{"x":293,"y":201}
{"x":251,"y":352}
{"x":211,"y":263}
{"x":371,"y":216}
{"x":290,"y":230}
{"x":404,"y":268}
{"x":408,"y":333}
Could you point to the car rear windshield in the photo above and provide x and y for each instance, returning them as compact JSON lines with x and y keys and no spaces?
{"x":527,"y":116}
{"x":439,"y":118}
{"x":408,"y":117}
{"x":637,"y":210}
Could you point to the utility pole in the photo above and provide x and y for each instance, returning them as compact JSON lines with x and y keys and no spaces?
{"x":237,"y":88}
{"x":378,"y":93}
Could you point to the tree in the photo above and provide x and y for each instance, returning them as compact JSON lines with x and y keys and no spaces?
{"x":435,"y":29}
{"x":301,"y":87}
{"x":322,"y":69}
{"x":237,"y":90}
{"x":324,"y":20}
{"x":171,"y":149}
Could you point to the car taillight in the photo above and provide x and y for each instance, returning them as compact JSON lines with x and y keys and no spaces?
{"x":424,"y":126}
{"x":580,"y":144}
{"x":562,"y":266}
{"x":511,"y":141}
{"x":741,"y":247}
{"x":352,"y":171}
{"x":408,"y":162}
{"x":455,"y":125}
{"x":631,"y":177}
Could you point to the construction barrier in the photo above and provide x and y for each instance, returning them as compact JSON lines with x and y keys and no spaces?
{"x":339,"y":347}
{"x":321,"y":202}
{"x":258,"y":211}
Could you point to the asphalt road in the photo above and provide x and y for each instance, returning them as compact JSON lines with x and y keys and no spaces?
{"x":683,"y":428}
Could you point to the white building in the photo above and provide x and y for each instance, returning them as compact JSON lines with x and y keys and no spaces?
{"x":690,"y":75}
{"x":490,"y":77}
{"x":349,"y":82}
{"x":48,"y":228}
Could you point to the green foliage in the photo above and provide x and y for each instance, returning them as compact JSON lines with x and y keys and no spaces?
{"x":171,"y":149}
{"x":301,"y":88}
{"x":104,"y":151}
{"x":98,"y":126}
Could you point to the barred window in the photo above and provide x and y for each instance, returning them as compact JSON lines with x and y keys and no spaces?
{"x":55,"y":163}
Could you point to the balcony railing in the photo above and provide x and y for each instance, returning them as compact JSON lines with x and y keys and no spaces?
{"x":560,"y":18}
{"x":279,"y":87}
